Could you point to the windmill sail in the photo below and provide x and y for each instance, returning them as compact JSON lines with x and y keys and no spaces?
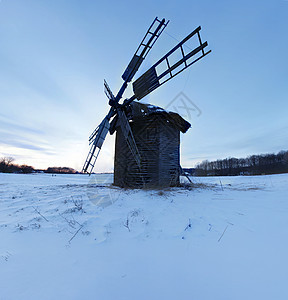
{"x":151,"y":80}
{"x":108,"y":91}
{"x":96,"y":139}
{"x":128,"y":135}
{"x":145,"y":46}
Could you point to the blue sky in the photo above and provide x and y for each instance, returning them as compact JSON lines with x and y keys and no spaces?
{"x":54,"y":56}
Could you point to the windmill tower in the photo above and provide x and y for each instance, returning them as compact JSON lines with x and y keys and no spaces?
{"x":147,"y":137}
{"x":157,"y":136}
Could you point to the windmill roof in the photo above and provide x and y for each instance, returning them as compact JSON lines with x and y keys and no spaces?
{"x":139,"y":110}
{"x":142,"y":110}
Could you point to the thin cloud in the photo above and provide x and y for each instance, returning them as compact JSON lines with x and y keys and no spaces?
{"x":24,"y":145}
{"x":21,"y":142}
{"x":8,"y":126}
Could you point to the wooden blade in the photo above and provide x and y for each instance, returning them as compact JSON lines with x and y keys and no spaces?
{"x":143,"y":49}
{"x":96,"y":139}
{"x":152,"y":78}
{"x":128,"y":135}
{"x":108,"y":91}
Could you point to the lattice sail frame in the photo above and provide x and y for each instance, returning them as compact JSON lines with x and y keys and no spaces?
{"x":151,"y":80}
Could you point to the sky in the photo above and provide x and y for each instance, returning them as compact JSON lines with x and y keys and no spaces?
{"x":55,"y":54}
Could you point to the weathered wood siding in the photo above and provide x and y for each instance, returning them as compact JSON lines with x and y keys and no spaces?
{"x":158,"y":142}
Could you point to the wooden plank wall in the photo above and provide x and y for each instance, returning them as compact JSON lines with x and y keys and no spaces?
{"x":158,"y":143}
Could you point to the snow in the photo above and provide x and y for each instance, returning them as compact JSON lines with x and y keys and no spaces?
{"x":78,"y":237}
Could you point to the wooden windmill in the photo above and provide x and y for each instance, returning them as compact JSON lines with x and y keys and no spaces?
{"x":147,"y":137}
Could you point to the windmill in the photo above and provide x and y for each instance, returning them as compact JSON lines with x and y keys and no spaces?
{"x":161,"y":72}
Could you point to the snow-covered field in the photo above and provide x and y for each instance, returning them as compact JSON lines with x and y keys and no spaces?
{"x":77,"y":237}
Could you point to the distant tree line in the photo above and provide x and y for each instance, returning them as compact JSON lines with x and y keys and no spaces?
{"x":251,"y":165}
{"x":60,"y":170}
{"x":7,"y":166}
